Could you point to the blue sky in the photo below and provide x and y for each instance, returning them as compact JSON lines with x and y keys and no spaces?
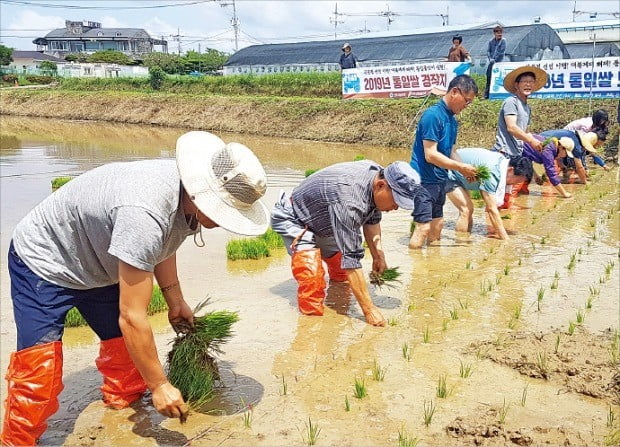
{"x":207,"y":23}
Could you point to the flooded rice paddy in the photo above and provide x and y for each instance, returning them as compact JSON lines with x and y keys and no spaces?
{"x":488,"y":342}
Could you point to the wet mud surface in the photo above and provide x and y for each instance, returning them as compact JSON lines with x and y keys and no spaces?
{"x":467,"y":303}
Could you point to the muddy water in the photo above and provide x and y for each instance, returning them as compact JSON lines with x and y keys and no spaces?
{"x":293,"y":368}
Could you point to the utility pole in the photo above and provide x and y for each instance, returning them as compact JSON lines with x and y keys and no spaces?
{"x":177,"y":37}
{"x":234,"y":21}
{"x":336,"y":21}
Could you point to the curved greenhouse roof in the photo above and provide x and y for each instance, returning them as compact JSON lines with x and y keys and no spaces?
{"x":526,"y":42}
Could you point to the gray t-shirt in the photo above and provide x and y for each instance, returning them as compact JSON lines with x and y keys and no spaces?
{"x":504,"y":142}
{"x":119,"y":211}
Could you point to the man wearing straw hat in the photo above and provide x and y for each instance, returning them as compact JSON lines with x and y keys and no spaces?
{"x":515,"y":115}
{"x":322,"y":219}
{"x":96,"y":244}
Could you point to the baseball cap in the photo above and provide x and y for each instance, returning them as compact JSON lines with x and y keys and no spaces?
{"x":404,"y":182}
{"x":224,"y":181}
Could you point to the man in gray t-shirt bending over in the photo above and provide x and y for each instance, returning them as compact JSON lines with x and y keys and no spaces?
{"x":96,"y":244}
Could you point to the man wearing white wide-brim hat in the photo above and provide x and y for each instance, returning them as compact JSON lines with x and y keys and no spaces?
{"x":96,"y":244}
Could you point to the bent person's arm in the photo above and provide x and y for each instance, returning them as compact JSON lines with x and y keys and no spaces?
{"x":494,"y":216}
{"x":357,"y":282}
{"x":136,"y":287}
{"x":167,"y":278}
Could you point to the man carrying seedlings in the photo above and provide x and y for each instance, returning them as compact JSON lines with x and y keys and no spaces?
{"x":515,"y":116}
{"x":96,"y":244}
{"x":502,"y":171}
{"x":321,"y":221}
{"x":433,"y":154}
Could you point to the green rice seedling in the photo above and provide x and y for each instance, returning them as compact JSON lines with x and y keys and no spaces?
{"x":554,"y":284}
{"x":571,"y":328}
{"x":482,"y":353}
{"x":611,"y":417}
{"x":512,"y":323}
{"x":580,"y":317}
{"x":476,"y":195}
{"x":499,"y":341}
{"x":404,"y":440}
{"x":406,"y":351}
{"x":506,"y":217}
{"x":613,"y":438}
{"x":589,"y":243}
{"x":482,"y":173}
{"x":426,"y":337}
{"x":388,"y":278}
{"x":491,"y":250}
{"x":247,"y":414}
{"x":411,"y":307}
{"x":533,"y":244}
{"x":588,"y":305}
{"x":411,"y":228}
{"x":444,"y":324}
{"x":594,"y":236}
{"x":466,"y":370}
{"x":542,"y":363}
{"x":519,"y":261}
{"x":157,"y":304}
{"x":442,"y":386}
{"x":284,"y":386}
{"x":543,"y":240}
{"x":614,"y":349}
{"x":506,"y":270}
{"x":468,"y":265}
{"x":347,"y":405}
{"x":310,"y":171}
{"x":524,"y":395}
{"x":429,"y":411}
{"x":393,"y":321}
{"x":556,"y":275}
{"x":557,"y":344}
{"x":359,"y":157}
{"x":247,"y":248}
{"x":517,"y":311}
{"x":602,"y":279}
{"x":378,"y":373}
{"x":272,"y":239}
{"x":463,"y":304}
{"x":539,"y":296}
{"x":484,"y":291}
{"x":498,"y":279}
{"x":503,"y":412}
{"x":312,"y":433}
{"x":191,"y":364}
{"x":360,"y":388}
{"x":573,"y":262}
{"x":60,"y":181}
{"x":454,"y":314}
{"x":579,"y":252}
{"x":609,"y":268}
{"x":592,"y":223}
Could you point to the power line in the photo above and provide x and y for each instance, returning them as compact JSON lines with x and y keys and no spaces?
{"x":55,"y":5}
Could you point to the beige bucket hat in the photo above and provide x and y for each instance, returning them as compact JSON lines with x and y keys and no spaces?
{"x":225,"y":182}
{"x":511,"y":78}
{"x":569,"y":145}
{"x":588,"y":140}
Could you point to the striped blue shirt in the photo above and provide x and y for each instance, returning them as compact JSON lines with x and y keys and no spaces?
{"x":337,"y":201}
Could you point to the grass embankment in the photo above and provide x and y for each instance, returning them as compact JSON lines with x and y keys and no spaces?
{"x":305,"y":106}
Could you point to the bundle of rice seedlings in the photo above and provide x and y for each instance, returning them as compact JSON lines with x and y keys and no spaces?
{"x":388,"y":278}
{"x":272,"y":239}
{"x":191,"y":362}
{"x":482,"y":173}
{"x":309,"y":172}
{"x":476,"y":195}
{"x":248,"y":248}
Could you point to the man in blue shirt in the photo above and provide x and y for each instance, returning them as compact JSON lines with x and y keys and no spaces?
{"x":432,"y":155}
{"x":347,"y":58}
{"x":495,"y":53}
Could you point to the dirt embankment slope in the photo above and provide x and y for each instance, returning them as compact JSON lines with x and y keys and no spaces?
{"x":375,"y":122}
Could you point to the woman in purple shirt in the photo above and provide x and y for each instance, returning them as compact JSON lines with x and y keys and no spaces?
{"x":553,"y":149}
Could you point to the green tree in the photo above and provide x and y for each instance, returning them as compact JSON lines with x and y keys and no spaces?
{"x":170,"y":63}
{"x":110,"y":57}
{"x":48,"y":67}
{"x":76,"y":57}
{"x":207,"y":62}
{"x":6,"y":55}
{"x":156,"y":77}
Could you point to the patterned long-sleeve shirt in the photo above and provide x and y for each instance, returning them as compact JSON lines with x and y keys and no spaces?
{"x":337,"y":201}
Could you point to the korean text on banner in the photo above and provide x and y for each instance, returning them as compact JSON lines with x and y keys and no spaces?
{"x":566,"y":78}
{"x":399,"y":81}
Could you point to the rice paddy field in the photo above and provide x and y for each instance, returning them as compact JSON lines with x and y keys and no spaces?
{"x":487,"y":343}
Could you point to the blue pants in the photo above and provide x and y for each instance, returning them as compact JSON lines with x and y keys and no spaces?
{"x":40,"y":307}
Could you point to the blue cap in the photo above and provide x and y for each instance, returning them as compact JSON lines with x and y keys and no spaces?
{"x":404,"y":182}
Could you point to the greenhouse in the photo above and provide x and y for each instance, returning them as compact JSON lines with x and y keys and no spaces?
{"x":525,"y":42}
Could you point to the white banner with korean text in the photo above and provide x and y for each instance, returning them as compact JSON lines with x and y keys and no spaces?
{"x":399,"y":81}
{"x":566,"y":78}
